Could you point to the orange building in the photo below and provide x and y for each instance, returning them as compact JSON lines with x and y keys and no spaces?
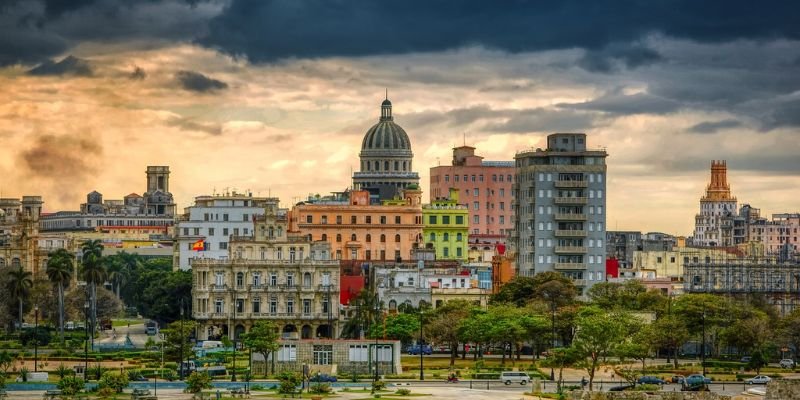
{"x":358,"y":230}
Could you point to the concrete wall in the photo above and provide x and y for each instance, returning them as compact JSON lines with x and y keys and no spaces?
{"x":783,"y":389}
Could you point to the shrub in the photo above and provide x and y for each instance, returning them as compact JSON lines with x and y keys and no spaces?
{"x":95,"y":372}
{"x":23,"y":373}
{"x":288,"y":382}
{"x":40,"y":335}
{"x":196,"y":382}
{"x":403,"y":392}
{"x":378,"y":385}
{"x":114,"y":381}
{"x":106,"y":392}
{"x":70,"y":385}
{"x":169,"y":375}
{"x":320,"y":388}
{"x":63,"y":371}
{"x":3,"y":380}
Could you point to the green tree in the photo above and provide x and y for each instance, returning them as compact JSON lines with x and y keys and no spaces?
{"x":262,"y":338}
{"x":443,"y":326}
{"x":93,"y":272}
{"x":670,"y":333}
{"x":788,"y":330}
{"x":639,"y":347}
{"x":6,"y":360}
{"x":19,"y":285}
{"x":547,"y":286}
{"x":118,"y":273}
{"x":508,"y":327}
{"x":59,"y":271}
{"x":402,"y":327}
{"x":366,"y":305}
{"x":749,"y":332}
{"x":70,"y":385}
{"x":476,"y":328}
{"x":176,"y":337}
{"x":599,"y":334}
{"x":114,"y":381}
{"x":757,"y":361}
{"x":288,"y":382}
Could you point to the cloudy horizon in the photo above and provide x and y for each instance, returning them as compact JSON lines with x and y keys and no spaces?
{"x":275,"y":97}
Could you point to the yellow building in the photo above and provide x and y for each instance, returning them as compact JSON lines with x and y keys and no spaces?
{"x":670,"y":263}
{"x":445,"y":227}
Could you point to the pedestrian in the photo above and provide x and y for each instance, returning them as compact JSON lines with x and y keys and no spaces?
{"x":583,"y":382}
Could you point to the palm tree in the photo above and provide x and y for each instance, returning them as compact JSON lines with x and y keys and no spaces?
{"x":19,"y":285}
{"x":59,"y":270}
{"x":93,"y":271}
{"x":118,"y":273}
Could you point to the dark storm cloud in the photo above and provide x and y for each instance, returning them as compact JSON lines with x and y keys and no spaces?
{"x":197,"y":82}
{"x":715,"y":126}
{"x":33,"y":31}
{"x":501,"y":120}
{"x":785,"y":114}
{"x":620,"y":104}
{"x":264,"y":31}
{"x":68,"y":66}
{"x":615,"y":56}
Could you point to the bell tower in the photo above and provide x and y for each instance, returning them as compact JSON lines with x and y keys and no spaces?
{"x":157,"y":178}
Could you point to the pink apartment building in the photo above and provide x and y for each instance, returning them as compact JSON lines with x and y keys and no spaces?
{"x":484,"y":187}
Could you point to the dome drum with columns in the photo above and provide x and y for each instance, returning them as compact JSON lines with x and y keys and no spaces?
{"x":386,"y":158}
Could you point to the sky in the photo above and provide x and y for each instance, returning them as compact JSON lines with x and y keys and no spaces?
{"x":275,"y":96}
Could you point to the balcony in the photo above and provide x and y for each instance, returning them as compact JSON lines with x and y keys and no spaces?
{"x":570,"y":200}
{"x":257,"y":288}
{"x":571,"y":233}
{"x":568,"y":266}
{"x":219,"y":288}
{"x":570,"y":249}
{"x":570,"y":184}
{"x":570,"y":217}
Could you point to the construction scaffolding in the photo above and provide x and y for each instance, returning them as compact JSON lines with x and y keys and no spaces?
{"x":778,"y":281}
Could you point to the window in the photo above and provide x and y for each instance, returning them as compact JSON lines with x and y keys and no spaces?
{"x":224,"y":217}
{"x":324,"y":219}
{"x":338,"y":238}
{"x":476,"y":205}
{"x":476,"y":192}
{"x":397,"y":219}
{"x":306,"y":306}
{"x":239,"y":279}
{"x":432,"y":237}
{"x":502,"y":220}
{"x":290,"y":306}
{"x":358,"y":353}
{"x":502,"y":192}
{"x":455,"y":177}
{"x":459,"y":237}
{"x":235,"y":231}
{"x":369,"y":238}
{"x":353,"y":220}
{"x":287,"y":353}
{"x":324,"y":237}
{"x":476,"y":219}
{"x":219,"y":306}
{"x":446,"y":252}
{"x":447,"y":178}
{"x":256,"y":279}
{"x":383,"y":220}
{"x":239,"y":306}
{"x":397,"y":238}
{"x":338,"y":219}
{"x":458,"y":252}
{"x":256,"y":305}
{"x":432,"y":219}
{"x":459,"y":220}
{"x":323,"y":354}
{"x":383,"y":238}
{"x":309,"y":219}
{"x":245,"y":217}
{"x":368,"y":219}
{"x":445,"y":219}
{"x":223,"y":245}
{"x":225,"y":232}
{"x":273,"y":280}
{"x":273,"y":305}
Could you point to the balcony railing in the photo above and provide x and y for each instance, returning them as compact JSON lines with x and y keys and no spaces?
{"x":570,"y":249}
{"x":570,"y":200}
{"x":569,"y":266}
{"x":219,"y":288}
{"x":571,"y":233}
{"x":570,"y":217}
{"x":571,"y":184}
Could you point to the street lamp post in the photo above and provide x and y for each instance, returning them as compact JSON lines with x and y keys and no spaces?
{"x":233,"y":335}
{"x":86,"y":343}
{"x":36,"y":339}
{"x":377,"y":354}
{"x":180,"y":370}
{"x":553,"y":325}
{"x":421,"y":370}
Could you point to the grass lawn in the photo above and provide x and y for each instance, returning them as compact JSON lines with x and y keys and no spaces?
{"x":125,"y":322}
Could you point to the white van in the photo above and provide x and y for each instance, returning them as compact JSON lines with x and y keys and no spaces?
{"x":508,"y":377}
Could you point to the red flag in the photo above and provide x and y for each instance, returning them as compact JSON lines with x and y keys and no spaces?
{"x":199,"y":245}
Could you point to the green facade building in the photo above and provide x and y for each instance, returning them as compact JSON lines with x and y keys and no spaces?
{"x":445,"y":227}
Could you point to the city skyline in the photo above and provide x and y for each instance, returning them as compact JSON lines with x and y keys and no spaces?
{"x":89,"y":108}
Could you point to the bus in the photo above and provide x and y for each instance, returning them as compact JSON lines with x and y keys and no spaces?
{"x":151,"y":328}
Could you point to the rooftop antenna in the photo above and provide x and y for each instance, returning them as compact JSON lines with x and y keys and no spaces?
{"x":387,"y":93}
{"x":465,"y":138}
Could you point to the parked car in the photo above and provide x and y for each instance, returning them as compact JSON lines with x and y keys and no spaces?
{"x":415,"y":349}
{"x":650,"y":380}
{"x":746,"y":359}
{"x":758,"y":380}
{"x":695,"y":383}
{"x":509,"y":377}
{"x":322,"y":378}
{"x":787,"y":363}
{"x":677,"y":379}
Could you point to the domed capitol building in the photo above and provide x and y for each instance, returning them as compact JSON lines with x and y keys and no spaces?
{"x":386,"y":159}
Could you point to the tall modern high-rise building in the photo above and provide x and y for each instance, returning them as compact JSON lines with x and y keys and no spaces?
{"x":560,"y":210}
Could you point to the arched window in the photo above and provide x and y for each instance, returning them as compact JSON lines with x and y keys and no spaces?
{"x":239,"y":279}
{"x":458,"y":237}
{"x":369,"y":238}
{"x":397,"y":238}
{"x":353,"y":237}
{"x":392,"y":304}
{"x":338,"y":238}
{"x":446,"y":236}
{"x":383,"y":238}
{"x":307,"y":279}
{"x":324,"y":237}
